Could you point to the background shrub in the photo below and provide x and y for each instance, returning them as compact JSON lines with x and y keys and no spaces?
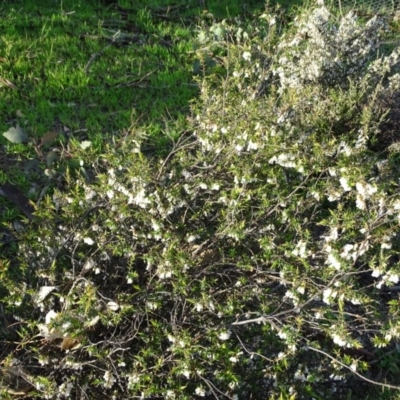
{"x":259,"y":258}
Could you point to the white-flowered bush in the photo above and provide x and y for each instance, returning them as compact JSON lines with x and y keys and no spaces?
{"x":258,"y":259}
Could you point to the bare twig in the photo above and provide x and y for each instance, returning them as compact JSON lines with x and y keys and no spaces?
{"x":352,"y":371}
{"x":93,"y":58}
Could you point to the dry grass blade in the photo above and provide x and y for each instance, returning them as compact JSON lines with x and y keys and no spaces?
{"x":7,"y":83}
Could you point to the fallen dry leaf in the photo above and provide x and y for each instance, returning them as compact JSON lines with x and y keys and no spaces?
{"x":70,"y":344}
{"x":48,"y":138}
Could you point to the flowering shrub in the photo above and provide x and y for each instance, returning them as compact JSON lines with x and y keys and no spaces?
{"x":259,"y":258}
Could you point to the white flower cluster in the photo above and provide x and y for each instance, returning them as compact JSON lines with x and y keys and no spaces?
{"x":327,"y":53}
{"x":109,"y":380}
{"x":301,"y":373}
{"x":285,"y":160}
{"x":389,"y":278}
{"x":65,"y":389}
{"x":340,"y":339}
{"x":392,"y":333}
{"x":328,"y":295}
{"x":364,"y":192}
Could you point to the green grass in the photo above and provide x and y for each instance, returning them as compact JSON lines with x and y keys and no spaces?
{"x":87,"y":71}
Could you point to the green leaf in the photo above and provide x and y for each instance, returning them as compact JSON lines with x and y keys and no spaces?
{"x":197,"y":67}
{"x":52,"y":156}
{"x":16,"y":135}
{"x":30,"y":164}
{"x":210,"y":62}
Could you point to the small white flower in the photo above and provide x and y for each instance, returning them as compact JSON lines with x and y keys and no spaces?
{"x":199,"y":307}
{"x":192,"y":238}
{"x":155,"y":225}
{"x":203,"y":186}
{"x":315,"y":195}
{"x":301,"y":289}
{"x":200,"y":391}
{"x":300,"y":249}
{"x":393,"y":278}
{"x":65,"y":389}
{"x":332,"y":171}
{"x":360,"y":202}
{"x":151,"y":305}
{"x":345,"y":184}
{"x":290,"y":294}
{"x":396,"y":205}
{"x":347,"y":253}
{"x":386,"y":245}
{"x":247,"y":55}
{"x":333,"y":262}
{"x":282,"y":334}
{"x":133,"y":378}
{"x":284,"y":160}
{"x":333,"y":235}
{"x":281,"y":356}
{"x":171,"y":339}
{"x":186,"y":174}
{"x":328,"y":295}
{"x":112,"y":305}
{"x":239,"y":148}
{"x":299,"y":375}
{"x":41,"y":295}
{"x":334,"y":196}
{"x":89,"y":264}
{"x":365,"y":189}
{"x":50,"y":316}
{"x":336,"y":377}
{"x":88,"y":241}
{"x":225,"y":335}
{"x":109,"y":380}
{"x":376,"y":273}
{"x":186,"y":373}
{"x":338,"y":340}
{"x":90,"y":193}
{"x":164,"y":274}
{"x":344,"y":148}
{"x":93,"y":321}
{"x":252,"y":146}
